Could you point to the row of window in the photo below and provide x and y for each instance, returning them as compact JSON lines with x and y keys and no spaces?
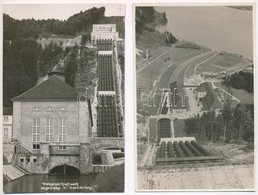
{"x":49,"y":130}
{"x":49,"y":109}
{"x":5,"y":132}
{"x":6,"y":118}
{"x":28,"y":159}
{"x":37,"y":147}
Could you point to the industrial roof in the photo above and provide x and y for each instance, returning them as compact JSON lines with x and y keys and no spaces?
{"x":53,"y":88}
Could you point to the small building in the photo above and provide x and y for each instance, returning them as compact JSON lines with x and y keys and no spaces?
{"x":208,"y":97}
{"x":50,"y":127}
{"x":103,"y":32}
{"x":7,"y":124}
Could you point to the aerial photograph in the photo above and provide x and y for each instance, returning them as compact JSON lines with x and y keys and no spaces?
{"x":63,"y":98}
{"x":195,"y":97}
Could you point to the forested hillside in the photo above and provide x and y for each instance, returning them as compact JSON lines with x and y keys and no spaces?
{"x":25,"y":60}
{"x":236,"y":122}
{"x":241,"y":80}
{"x":146,"y":18}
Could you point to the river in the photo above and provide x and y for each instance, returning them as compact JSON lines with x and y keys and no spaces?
{"x":219,"y":28}
{"x":41,"y":184}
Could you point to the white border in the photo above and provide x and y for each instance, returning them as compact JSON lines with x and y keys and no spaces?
{"x":130,"y":119}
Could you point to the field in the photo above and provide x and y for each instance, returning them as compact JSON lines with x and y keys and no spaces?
{"x":221,"y":62}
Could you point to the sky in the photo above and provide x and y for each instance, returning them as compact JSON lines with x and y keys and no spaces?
{"x":56,"y":11}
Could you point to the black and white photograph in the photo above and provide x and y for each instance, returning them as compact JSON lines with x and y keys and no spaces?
{"x":195,"y":97}
{"x":63,"y":98}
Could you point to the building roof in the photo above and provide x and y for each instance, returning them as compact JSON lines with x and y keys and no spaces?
{"x":7,"y":111}
{"x":53,"y":88}
{"x":210,"y":101}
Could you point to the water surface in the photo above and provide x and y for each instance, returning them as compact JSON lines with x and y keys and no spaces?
{"x":218,"y":28}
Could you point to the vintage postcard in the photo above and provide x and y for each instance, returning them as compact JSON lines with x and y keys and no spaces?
{"x":195,"y":97}
{"x":63,"y":98}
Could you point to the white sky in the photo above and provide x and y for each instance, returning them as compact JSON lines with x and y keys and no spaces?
{"x":56,"y":11}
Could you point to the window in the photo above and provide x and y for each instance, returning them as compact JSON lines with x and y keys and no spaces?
{"x":49,"y":129}
{"x":21,"y":160}
{"x":36,"y":109}
{"x":62,"y":130}
{"x":34,"y":160}
{"x":63,"y":109}
{"x":5,"y":118}
{"x":62,"y":148}
{"x":5,"y":132}
{"x":28,"y":159}
{"x":49,"y":109}
{"x":36,"y":146}
{"x":36,"y":130}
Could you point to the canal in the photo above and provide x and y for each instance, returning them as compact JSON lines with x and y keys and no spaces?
{"x":49,"y":183}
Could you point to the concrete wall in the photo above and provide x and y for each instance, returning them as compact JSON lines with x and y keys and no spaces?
{"x":23,"y":122}
{"x":38,"y":167}
{"x":84,"y":122}
{"x":8,"y":151}
{"x":101,"y":143}
{"x":70,"y":150}
{"x":7,"y":124}
{"x":85,"y":158}
{"x":67,"y":160}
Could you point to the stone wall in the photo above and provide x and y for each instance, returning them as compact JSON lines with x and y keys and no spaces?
{"x":84,"y":122}
{"x":67,"y":160}
{"x":38,"y":167}
{"x":85,"y":158}
{"x":70,"y":113}
{"x":8,"y":151}
{"x":17,"y":120}
{"x":101,"y":143}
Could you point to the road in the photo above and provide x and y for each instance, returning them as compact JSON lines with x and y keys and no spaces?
{"x":176,"y":73}
{"x":149,"y":63}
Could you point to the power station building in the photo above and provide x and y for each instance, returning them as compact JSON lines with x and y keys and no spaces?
{"x":52,"y":126}
{"x":103,"y":32}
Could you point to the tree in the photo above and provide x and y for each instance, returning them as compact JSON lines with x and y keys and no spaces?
{"x":71,"y":67}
